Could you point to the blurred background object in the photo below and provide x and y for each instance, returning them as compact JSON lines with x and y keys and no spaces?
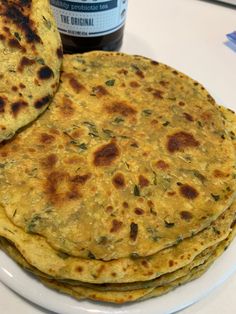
{"x":233,"y":2}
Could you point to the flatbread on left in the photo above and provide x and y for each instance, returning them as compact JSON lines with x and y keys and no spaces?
{"x":31,"y":55}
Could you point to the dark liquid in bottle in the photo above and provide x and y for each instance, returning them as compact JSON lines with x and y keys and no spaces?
{"x":109,"y":42}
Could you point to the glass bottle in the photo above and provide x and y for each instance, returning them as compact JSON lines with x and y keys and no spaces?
{"x":87,"y":25}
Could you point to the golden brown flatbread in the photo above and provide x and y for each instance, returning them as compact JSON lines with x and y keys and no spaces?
{"x":31,"y":56}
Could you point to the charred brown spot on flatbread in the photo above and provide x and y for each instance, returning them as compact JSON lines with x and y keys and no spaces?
{"x":54,"y":85}
{"x":158,"y":94}
{"x":162,"y":165}
{"x":171,"y":263}
{"x":60,"y":188}
{"x":206,"y":116}
{"x":164,"y":83}
{"x":14,"y":43}
{"x":133,"y":231}
{"x":2,"y":37}
{"x":99,"y":91}
{"x":59,"y":52}
{"x":49,"y":161}
{"x":188,"y":191}
{"x":219,"y":174}
{"x":76,"y":86}
{"x":145,"y":263}
{"x":143,"y":181}
{"x":153,"y":62}
{"x":6,"y":29}
{"x":53,"y":181}
{"x":134,"y":84}
{"x":122,"y":71}
{"x":46,"y":138}
{"x":73,"y":194}
{"x":125,"y":205}
{"x":67,"y":108}
{"x":211,"y":99}
{"x":17,"y":106}
{"x":109,"y":209}
{"x":233,"y":224}
{"x":73,"y":160}
{"x":79,"y":269}
{"x":188,"y":117}
{"x":77,"y":133}
{"x":42,"y":102}
{"x":100,"y":269}
{"x":181,"y":140}
{"x":116,"y":225}
{"x":154,"y":122}
{"x":45,"y":73}
{"x":21,"y":20}
{"x":25,"y":62}
{"x":14,"y":88}
{"x":118,"y":180}
{"x":22,"y":86}
{"x":121,"y":108}
{"x":2,"y":104}
{"x":140,"y":73}
{"x":186,"y":215}
{"x":106,"y":154}
{"x":139,"y":211}
{"x":81,"y":179}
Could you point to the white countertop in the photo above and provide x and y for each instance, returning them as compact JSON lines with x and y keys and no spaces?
{"x":190,"y":36}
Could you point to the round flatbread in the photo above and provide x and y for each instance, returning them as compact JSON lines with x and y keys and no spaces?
{"x":59,"y":265}
{"x":11,"y":250}
{"x":141,"y":294}
{"x":31,"y":55}
{"x":131,"y":158}
{"x":199,"y":265}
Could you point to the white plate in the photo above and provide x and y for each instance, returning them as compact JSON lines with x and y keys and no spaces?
{"x":28,"y":287}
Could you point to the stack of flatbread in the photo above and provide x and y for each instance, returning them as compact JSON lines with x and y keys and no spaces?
{"x":124,"y":187}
